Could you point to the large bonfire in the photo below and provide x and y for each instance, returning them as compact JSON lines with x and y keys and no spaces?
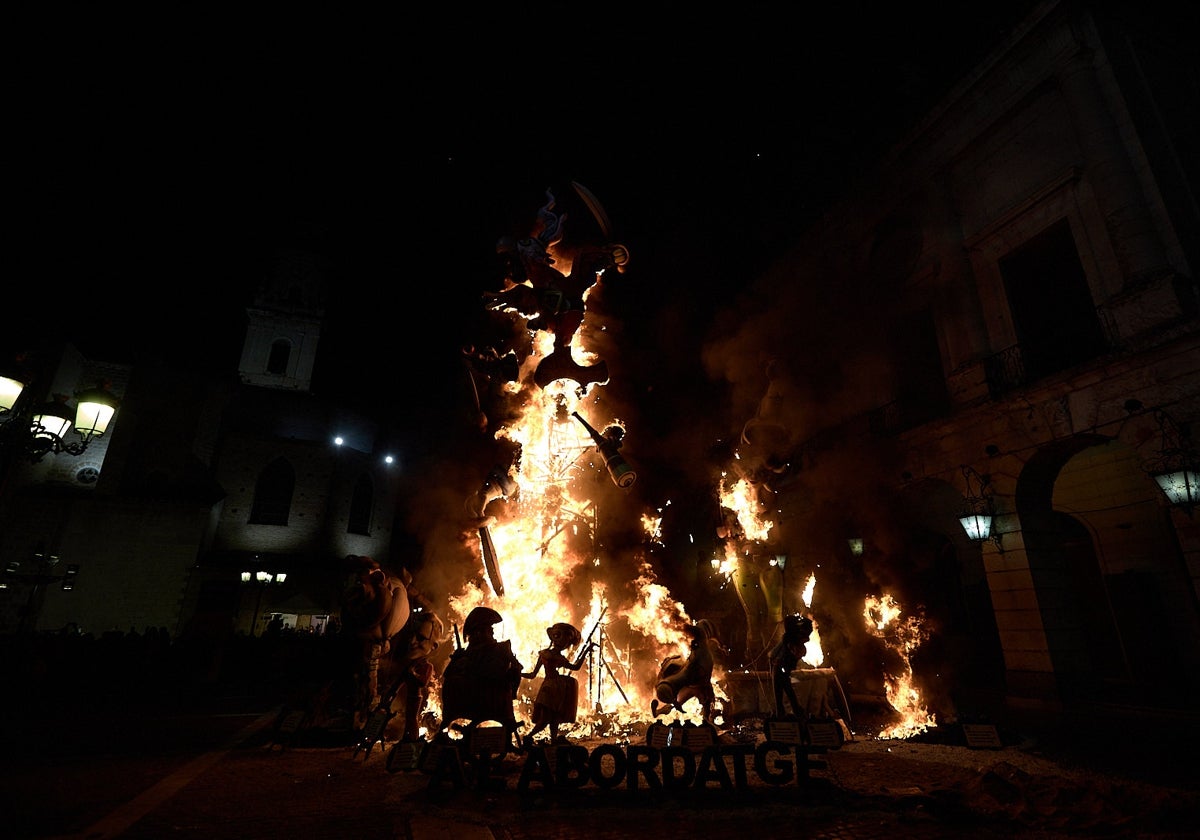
{"x":535,"y":524}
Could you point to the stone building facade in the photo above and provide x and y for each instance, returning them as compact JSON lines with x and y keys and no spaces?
{"x":201,"y":480}
{"x":1015,"y":306}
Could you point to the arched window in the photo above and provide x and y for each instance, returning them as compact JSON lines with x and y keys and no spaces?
{"x":273,"y":494}
{"x":281,"y":351}
{"x":360,"y":507}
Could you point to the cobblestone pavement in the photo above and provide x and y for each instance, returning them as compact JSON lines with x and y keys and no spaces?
{"x":257,"y":788}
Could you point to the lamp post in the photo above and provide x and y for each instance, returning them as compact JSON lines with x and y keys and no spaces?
{"x":263,"y":580}
{"x":37,"y":580}
{"x":30,"y":431}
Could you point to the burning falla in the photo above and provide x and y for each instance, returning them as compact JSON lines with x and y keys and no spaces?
{"x":543,"y":509}
{"x":540,"y":523}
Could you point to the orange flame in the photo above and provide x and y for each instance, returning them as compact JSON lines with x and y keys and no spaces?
{"x":883,"y":621}
{"x":544,"y":539}
{"x":742,"y":499}
{"x":813,"y":654}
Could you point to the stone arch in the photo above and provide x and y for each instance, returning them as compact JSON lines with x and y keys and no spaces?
{"x":960,"y":668}
{"x":1045,"y":534}
{"x":1107,"y":573}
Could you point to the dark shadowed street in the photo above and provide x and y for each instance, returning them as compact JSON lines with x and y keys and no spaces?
{"x":178,"y":758}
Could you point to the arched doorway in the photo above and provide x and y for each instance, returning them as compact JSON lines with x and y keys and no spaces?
{"x":1118,"y":612}
{"x":960,"y":666}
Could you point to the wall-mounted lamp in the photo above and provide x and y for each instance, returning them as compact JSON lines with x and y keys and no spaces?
{"x":978,"y":516}
{"x":1176,"y":470}
{"x":40,"y":430}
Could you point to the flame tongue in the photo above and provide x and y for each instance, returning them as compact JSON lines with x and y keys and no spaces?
{"x":883,"y":621}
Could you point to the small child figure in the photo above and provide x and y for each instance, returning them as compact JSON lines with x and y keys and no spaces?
{"x":557,"y":700}
{"x":784,"y":658}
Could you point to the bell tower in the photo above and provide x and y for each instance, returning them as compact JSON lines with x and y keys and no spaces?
{"x":284,"y":325}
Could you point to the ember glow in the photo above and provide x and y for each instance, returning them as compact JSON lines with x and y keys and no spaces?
{"x":652,"y":525}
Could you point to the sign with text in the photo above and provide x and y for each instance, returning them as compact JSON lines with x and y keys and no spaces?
{"x":982,"y":736}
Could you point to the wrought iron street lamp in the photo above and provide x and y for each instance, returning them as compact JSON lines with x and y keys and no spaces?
{"x":36,"y":431}
{"x":36,"y":580}
{"x":1176,"y":470}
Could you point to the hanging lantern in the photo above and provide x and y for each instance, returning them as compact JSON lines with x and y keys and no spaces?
{"x":979,"y":509}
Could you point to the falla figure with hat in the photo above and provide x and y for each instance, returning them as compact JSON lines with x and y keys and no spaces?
{"x":481,"y":679}
{"x":557,"y":700}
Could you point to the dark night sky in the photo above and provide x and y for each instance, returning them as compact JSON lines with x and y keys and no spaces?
{"x":161,"y":164}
